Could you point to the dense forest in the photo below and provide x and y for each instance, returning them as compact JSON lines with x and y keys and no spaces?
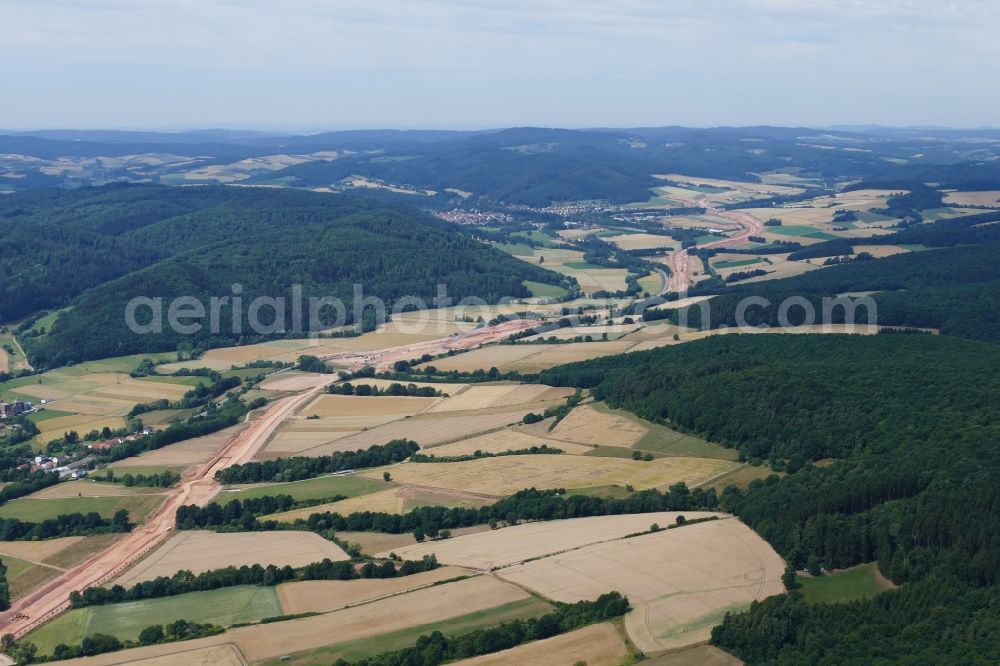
{"x":96,"y":248}
{"x":953,"y":289}
{"x":184,"y":581}
{"x":911,"y":423}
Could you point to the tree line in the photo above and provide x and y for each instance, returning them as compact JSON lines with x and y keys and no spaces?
{"x":302,"y":467}
{"x":233,"y":512}
{"x":544,"y":449}
{"x":394,"y":389}
{"x":184,"y":581}
{"x":525,"y":505}
{"x":69,"y":524}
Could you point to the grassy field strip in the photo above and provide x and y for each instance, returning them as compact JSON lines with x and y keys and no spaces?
{"x":858,"y":582}
{"x":30,"y":509}
{"x":224,"y":607}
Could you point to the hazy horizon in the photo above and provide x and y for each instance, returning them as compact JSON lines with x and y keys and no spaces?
{"x":99,"y":64}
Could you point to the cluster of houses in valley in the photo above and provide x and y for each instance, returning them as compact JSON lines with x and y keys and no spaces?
{"x":15,"y":408}
{"x":115,"y":441}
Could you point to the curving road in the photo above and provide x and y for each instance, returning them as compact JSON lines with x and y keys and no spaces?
{"x":680,"y":280}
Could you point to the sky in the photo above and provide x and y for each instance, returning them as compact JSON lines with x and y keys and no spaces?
{"x":315,"y":64}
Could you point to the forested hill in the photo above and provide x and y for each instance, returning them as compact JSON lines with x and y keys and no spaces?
{"x":912,"y":424}
{"x":96,"y":248}
{"x":954,"y":289}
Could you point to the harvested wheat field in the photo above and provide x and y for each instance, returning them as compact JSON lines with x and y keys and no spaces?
{"x":494,"y":549}
{"x":680,"y":582}
{"x":503,"y":440}
{"x":295,"y":382}
{"x":189,"y":452}
{"x":502,"y":395}
{"x":82,"y":423}
{"x":596,"y":645}
{"x":297,"y":436}
{"x":445,"y":387}
{"x":90,"y":489}
{"x":396,"y":500}
{"x":270,"y":641}
{"x":200,"y":551}
{"x":216,"y":655}
{"x":989,"y":198}
{"x":37,"y":550}
{"x":880,"y":251}
{"x":326,"y":406}
{"x":529,"y":358}
{"x":642,"y":241}
{"x":507,"y":474}
{"x":589,"y":425}
{"x":325,"y":595}
{"x":429,"y":429}
{"x":484,"y":358}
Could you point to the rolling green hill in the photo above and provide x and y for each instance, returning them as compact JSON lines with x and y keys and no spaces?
{"x":199,"y":242}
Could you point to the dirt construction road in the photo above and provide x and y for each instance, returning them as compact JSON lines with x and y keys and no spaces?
{"x":383,"y":359}
{"x":680,"y":279}
{"x":197,"y":487}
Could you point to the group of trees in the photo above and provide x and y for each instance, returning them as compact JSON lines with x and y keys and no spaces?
{"x":525,"y":505}
{"x":163,"y":479}
{"x":302,"y":467}
{"x":4,"y":588}
{"x":394,"y":389}
{"x":436,"y":648}
{"x":184,"y":581}
{"x":531,"y":450}
{"x":70,"y":524}
{"x":238,"y":512}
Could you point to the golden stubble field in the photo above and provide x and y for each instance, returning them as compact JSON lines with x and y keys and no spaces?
{"x":680,"y":582}
{"x":493,"y":549}
{"x":347,"y":423}
{"x":529,"y":358}
{"x":504,"y":440}
{"x":488,"y":396}
{"x":395,"y":499}
{"x":596,"y":645}
{"x":189,"y":452}
{"x":315,"y":596}
{"x":508,"y":474}
{"x":587,"y":425}
{"x":199,"y":551}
